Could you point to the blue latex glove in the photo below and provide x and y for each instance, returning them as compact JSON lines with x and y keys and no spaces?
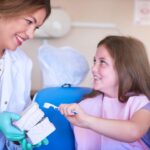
{"x":9,"y":130}
{"x":28,"y":146}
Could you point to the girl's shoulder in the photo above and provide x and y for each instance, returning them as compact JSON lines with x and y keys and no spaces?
{"x":135,"y":103}
{"x":139,"y":99}
{"x":147,"y":106}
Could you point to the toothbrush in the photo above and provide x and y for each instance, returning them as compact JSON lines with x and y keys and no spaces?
{"x":48,"y":105}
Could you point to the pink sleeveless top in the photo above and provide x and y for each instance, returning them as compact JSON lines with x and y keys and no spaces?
{"x":109,"y":108}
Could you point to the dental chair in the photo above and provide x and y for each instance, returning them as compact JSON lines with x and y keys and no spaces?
{"x":62,"y":138}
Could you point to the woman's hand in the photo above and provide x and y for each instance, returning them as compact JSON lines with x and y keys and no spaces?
{"x":8,"y":129}
{"x":28,"y":146}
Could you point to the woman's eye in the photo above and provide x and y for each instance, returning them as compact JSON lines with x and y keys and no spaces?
{"x":28,"y":21}
{"x":37,"y":28}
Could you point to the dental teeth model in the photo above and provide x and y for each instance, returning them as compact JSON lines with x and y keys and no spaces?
{"x":30,"y":117}
{"x":33,"y":121}
{"x":40,"y":131}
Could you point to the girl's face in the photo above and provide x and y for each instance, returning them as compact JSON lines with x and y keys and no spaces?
{"x":104,"y":73}
{"x":16,"y":30}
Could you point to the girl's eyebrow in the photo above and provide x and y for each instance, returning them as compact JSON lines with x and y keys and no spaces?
{"x":101,"y":58}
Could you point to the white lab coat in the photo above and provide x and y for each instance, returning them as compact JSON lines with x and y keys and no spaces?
{"x":15,"y":84}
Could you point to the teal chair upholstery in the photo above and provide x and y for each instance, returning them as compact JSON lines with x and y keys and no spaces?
{"x":62,"y":138}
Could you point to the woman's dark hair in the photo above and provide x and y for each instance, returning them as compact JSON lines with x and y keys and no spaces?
{"x":11,"y":8}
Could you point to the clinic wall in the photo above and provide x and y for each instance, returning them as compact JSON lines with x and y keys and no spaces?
{"x":119,"y":12}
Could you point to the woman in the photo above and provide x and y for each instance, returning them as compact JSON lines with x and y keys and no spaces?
{"x":113,"y":118}
{"x":18,"y":21}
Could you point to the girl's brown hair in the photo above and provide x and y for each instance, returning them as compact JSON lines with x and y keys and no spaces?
{"x":11,"y":8}
{"x":131,"y":63}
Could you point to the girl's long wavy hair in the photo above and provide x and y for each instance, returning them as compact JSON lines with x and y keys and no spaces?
{"x":132,"y":65}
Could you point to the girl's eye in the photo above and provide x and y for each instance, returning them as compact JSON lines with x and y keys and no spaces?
{"x":102,"y":62}
{"x":94,"y":60}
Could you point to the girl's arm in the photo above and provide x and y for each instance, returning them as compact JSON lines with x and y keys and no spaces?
{"x":122,"y":130}
{"x":127,"y":130}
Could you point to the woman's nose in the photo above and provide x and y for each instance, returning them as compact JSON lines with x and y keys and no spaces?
{"x":30,"y":33}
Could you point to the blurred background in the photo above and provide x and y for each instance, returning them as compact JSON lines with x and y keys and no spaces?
{"x":81,"y":24}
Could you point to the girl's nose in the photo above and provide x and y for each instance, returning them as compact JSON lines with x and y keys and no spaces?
{"x":94,"y":68}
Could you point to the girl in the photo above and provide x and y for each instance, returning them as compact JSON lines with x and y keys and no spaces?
{"x":112,"y":119}
{"x":18,"y":21}
{"x":146,"y":137}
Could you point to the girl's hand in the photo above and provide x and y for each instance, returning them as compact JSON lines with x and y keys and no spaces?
{"x":74,"y":114}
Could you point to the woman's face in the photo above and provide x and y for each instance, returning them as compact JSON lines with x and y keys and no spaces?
{"x":16,"y":30}
{"x":104,"y":73}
